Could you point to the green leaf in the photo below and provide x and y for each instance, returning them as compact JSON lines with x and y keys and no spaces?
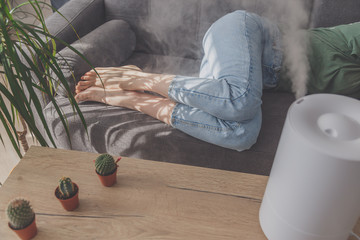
{"x":28,"y":52}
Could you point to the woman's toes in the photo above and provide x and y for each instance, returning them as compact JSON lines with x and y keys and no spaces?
{"x":79,"y":89}
{"x":91,"y":94}
{"x":79,"y":97}
{"x":85,"y":96}
{"x":82,"y":85}
{"x":90,"y":73}
{"x":86,"y":77}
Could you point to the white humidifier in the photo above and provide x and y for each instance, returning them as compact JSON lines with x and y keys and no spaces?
{"x":313,"y":192}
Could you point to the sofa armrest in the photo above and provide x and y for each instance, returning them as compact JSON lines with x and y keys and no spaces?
{"x":80,"y":15}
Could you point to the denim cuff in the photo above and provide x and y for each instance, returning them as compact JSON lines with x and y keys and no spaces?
{"x":174,"y":114}
{"x":172,"y":93}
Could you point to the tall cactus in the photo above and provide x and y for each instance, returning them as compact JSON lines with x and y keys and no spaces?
{"x":20,"y":213}
{"x":66,"y":188}
{"x":105,"y":164}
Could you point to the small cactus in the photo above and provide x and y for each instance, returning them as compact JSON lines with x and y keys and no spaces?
{"x":105,"y":164}
{"x":20,"y":213}
{"x":66,"y":188}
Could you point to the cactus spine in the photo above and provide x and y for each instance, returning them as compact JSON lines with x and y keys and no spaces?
{"x":20,"y":213}
{"x":66,"y":188}
{"x":105,"y":164}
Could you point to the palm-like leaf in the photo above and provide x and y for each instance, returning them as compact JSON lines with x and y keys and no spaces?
{"x":27,"y":52}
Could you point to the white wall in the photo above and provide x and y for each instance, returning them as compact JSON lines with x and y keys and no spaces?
{"x":8,"y":157}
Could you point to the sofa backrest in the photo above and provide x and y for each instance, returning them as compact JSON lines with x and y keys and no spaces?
{"x":176,"y":27}
{"x":328,"y":13}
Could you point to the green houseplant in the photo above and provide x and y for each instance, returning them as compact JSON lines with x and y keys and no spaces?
{"x":28,"y":50}
{"x":67,"y":192}
{"x":22,"y":218}
{"x":106,"y":169}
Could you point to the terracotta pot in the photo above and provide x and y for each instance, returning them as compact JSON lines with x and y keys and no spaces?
{"x":26,"y":233}
{"x":69,"y":204}
{"x":108,"y":180}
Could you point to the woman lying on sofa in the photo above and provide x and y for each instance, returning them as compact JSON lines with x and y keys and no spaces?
{"x":242,"y":55}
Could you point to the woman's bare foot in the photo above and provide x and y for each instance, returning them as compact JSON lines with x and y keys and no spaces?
{"x":126,"y":78}
{"x":110,"y":78}
{"x":115,"y":97}
{"x":157,"y":107}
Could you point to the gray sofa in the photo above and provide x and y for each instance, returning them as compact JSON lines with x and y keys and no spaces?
{"x":168,"y":40}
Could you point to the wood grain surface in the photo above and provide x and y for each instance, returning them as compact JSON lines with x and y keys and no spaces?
{"x":151,"y":200}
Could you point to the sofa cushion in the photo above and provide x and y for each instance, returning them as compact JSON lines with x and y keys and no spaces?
{"x":72,"y":18}
{"x":176,"y":28}
{"x":58,"y":3}
{"x":120,"y":131}
{"x":326,"y":13}
{"x":108,"y":45}
{"x":165,"y":64}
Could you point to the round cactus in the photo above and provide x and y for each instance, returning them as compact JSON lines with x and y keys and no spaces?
{"x":105,"y":164}
{"x":66,"y":188}
{"x":20,"y":213}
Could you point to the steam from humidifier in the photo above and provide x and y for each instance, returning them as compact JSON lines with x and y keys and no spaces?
{"x":292,"y":16}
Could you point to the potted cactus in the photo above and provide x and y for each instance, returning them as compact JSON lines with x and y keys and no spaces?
{"x":106,"y":168}
{"x":22,"y":218}
{"x":68,"y":194}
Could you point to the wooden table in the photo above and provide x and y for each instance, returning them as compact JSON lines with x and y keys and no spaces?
{"x":152,"y":200}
